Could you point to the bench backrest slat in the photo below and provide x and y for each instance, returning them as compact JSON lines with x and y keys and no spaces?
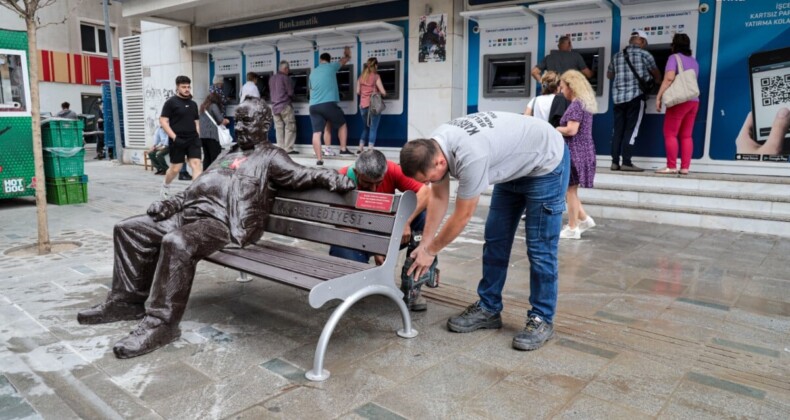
{"x":338,"y":216}
{"x":328,"y":234}
{"x":348,"y":199}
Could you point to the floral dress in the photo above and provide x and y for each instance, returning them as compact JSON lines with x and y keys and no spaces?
{"x":581,"y":145}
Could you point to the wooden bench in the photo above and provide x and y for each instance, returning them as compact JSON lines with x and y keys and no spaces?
{"x":360,"y":220}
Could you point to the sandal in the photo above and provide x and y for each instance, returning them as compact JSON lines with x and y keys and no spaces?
{"x":684,"y":171}
{"x":667,"y":171}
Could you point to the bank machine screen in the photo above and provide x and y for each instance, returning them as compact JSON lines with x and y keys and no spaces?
{"x":263,"y":85}
{"x":345,"y":83}
{"x":300,"y":79}
{"x":506,"y":75}
{"x":660,"y":53}
{"x":389,"y":71}
{"x":230,"y":87}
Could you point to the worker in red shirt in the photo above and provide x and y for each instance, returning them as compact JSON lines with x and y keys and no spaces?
{"x":373,"y":172}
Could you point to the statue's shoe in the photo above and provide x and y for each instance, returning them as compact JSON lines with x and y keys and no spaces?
{"x":150,"y":334}
{"x":111,"y":311}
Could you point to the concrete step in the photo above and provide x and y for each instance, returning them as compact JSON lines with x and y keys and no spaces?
{"x":692,"y":217}
{"x":757,"y":205}
{"x":727,"y":185}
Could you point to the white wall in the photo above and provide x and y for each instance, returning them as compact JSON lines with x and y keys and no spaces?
{"x":164,"y":59}
{"x":435,"y":89}
{"x":54,"y":94}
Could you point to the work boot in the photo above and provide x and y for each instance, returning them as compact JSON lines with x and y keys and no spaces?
{"x":474,"y":318}
{"x":535,"y":334}
{"x":111,"y":311}
{"x":150,"y":334}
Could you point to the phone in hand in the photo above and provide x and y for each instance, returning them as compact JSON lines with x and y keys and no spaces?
{"x":769,"y":77}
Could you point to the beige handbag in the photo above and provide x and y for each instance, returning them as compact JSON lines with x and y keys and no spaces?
{"x":683,"y":88}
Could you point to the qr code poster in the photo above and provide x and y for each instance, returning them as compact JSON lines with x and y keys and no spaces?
{"x":775,"y":90}
{"x":433,"y":38}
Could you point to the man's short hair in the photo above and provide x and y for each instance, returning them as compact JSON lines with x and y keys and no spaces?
{"x":563,"y":39}
{"x":371,"y":163}
{"x":65,"y":105}
{"x":325,"y":57}
{"x":252,"y":76}
{"x":183,"y":80}
{"x":417,"y":156}
{"x":284,"y":65}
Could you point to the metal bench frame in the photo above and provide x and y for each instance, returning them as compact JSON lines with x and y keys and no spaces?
{"x":333,"y":219}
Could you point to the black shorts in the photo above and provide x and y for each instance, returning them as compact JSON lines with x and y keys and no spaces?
{"x":327,"y":111}
{"x":183,"y":147}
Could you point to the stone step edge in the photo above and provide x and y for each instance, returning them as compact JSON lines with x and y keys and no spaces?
{"x":706,"y":176}
{"x":688,"y":210}
{"x":694,"y":193}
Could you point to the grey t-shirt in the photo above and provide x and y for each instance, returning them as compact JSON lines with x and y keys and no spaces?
{"x":562,"y":61}
{"x":494,"y":147}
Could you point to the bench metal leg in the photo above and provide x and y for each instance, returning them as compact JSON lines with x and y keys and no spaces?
{"x":318,"y":373}
{"x":243,"y":278}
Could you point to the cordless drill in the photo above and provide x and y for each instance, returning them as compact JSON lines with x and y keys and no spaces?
{"x":409,"y":285}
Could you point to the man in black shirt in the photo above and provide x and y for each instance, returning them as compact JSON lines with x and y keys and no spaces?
{"x":181,"y":121}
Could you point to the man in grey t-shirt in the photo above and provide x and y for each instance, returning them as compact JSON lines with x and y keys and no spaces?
{"x":561,"y":61}
{"x":528,"y":162}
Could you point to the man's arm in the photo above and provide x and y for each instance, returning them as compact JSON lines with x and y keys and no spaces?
{"x":587,"y":73}
{"x":284,"y":172}
{"x":164,"y":122}
{"x":536,"y":73}
{"x":423,"y":197}
{"x":656,"y":75}
{"x":346,"y":56}
{"x":197,"y":127}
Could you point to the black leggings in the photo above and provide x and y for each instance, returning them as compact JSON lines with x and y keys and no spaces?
{"x":211,"y":149}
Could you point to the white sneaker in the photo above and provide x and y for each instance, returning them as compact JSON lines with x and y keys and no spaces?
{"x":164,"y":192}
{"x":568,"y":233}
{"x":586,"y":224}
{"x":328,"y":151}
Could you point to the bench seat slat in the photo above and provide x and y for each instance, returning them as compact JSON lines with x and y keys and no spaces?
{"x":311,"y":264}
{"x":330,"y":235}
{"x":307,"y":253}
{"x":265,"y":271}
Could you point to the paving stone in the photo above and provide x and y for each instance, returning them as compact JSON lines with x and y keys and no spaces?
{"x":697,"y":401}
{"x":222,"y":398}
{"x":636,"y":382}
{"x":508,"y":399}
{"x":443,"y":389}
{"x":584,"y":407}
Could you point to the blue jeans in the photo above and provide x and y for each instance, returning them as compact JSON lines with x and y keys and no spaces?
{"x":369,"y":133}
{"x":543,"y":197}
{"x":417,"y":225}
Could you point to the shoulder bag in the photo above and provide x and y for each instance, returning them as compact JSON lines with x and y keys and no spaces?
{"x":646,"y":86}
{"x":223,"y":134}
{"x":684,"y":88}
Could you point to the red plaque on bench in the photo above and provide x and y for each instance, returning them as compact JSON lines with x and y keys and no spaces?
{"x":374,"y":201}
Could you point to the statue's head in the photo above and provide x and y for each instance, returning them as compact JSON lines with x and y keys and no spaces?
{"x":253,"y":119}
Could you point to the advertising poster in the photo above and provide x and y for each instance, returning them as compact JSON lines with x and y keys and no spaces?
{"x":751,"y":108}
{"x":433,"y":38}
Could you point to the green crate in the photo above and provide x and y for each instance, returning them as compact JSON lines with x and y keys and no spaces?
{"x":68,"y":190}
{"x":62,"y":133}
{"x":58,"y":166}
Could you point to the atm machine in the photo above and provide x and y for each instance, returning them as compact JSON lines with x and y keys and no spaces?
{"x":227,"y":63}
{"x":301,"y":59}
{"x":661,"y":20}
{"x":387,"y":44}
{"x":508,"y":51}
{"x":588,"y":23}
{"x":262,"y":60}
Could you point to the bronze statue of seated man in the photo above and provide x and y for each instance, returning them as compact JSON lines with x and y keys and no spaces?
{"x":228,"y":205}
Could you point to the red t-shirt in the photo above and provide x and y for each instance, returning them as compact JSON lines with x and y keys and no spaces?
{"x":394,"y":178}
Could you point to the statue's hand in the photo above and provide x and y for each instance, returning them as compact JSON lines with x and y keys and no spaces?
{"x":342,"y":184}
{"x":160,"y":210}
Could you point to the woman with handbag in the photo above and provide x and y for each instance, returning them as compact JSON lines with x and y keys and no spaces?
{"x":210,"y":117}
{"x":368,"y":84}
{"x":680,"y":93}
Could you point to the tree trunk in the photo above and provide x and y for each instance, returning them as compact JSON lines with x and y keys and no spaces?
{"x":44,"y":246}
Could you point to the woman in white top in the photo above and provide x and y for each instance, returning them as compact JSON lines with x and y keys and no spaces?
{"x":549,"y":106}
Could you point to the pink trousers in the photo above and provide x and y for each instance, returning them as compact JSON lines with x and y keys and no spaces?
{"x":678,"y":124}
